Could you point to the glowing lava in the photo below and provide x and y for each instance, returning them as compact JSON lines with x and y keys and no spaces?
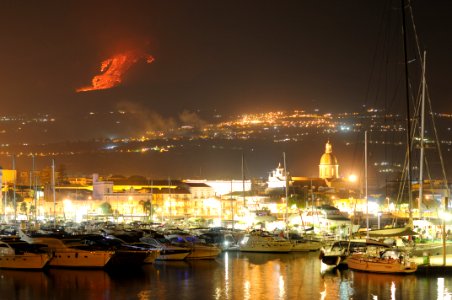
{"x":113,"y":69}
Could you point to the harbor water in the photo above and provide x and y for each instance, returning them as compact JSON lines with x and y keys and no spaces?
{"x":232,"y":275}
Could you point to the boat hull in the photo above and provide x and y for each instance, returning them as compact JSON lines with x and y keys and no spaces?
{"x":203,"y":252}
{"x":332,"y":260}
{"x":80,"y":259}
{"x":266,"y":249}
{"x":378,"y":265}
{"x":305,"y":246}
{"x":172,"y":255}
{"x":26,"y":261}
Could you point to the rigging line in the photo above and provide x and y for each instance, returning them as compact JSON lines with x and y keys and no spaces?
{"x":438,"y":144}
{"x":408,"y":114}
{"x":429,"y":103}
{"x":406,"y":170}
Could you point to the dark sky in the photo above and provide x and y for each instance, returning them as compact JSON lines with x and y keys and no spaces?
{"x":233,"y":56}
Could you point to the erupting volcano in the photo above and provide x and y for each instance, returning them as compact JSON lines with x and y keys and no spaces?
{"x":113,"y":69}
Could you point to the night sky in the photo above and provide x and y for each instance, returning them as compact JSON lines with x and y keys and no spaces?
{"x":228,"y":56}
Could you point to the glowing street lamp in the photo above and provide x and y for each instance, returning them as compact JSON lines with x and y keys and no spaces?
{"x":352,"y":178}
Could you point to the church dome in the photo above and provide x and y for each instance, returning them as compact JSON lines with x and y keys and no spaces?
{"x":328,"y":167}
{"x":328,"y":159}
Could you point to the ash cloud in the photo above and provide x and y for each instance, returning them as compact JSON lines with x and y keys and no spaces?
{"x":146,"y":120}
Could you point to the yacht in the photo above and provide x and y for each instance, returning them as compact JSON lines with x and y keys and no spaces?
{"x":303,"y":244}
{"x":198,"y":249}
{"x":72,"y":253}
{"x":22,"y":255}
{"x":338,"y":252}
{"x":262,"y":241}
{"x":167,"y":251}
{"x":222,"y":239}
{"x":125,"y":254}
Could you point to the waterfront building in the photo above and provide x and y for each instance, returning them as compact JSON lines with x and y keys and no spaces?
{"x":277,"y":179}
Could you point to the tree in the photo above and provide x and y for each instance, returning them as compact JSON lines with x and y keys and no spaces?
{"x":106,"y":208}
{"x":23,"y":208}
{"x":32,"y":210}
{"x":147,"y":208}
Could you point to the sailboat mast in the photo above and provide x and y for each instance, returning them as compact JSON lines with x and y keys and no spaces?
{"x":232,"y":206}
{"x":243,"y":180}
{"x":33,"y":183}
{"x":170,"y":208}
{"x":14,"y":188}
{"x":53,"y":192}
{"x":286,"y":187}
{"x":408,"y":115}
{"x":365,"y":183}
{"x":421,"y":158}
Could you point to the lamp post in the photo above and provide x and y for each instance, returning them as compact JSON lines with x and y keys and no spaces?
{"x":379,"y":216}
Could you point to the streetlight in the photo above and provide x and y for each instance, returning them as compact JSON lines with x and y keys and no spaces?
{"x":352,"y":178}
{"x":379,"y":216}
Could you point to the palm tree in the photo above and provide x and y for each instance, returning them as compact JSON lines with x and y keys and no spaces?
{"x":147,"y":208}
{"x":106,"y":208}
{"x":23,"y":208}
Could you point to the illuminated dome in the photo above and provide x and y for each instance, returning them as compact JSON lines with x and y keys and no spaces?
{"x":328,"y":167}
{"x":328,"y":159}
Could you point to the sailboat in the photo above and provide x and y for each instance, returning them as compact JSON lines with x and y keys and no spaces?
{"x":376,"y":260}
{"x":378,"y":257}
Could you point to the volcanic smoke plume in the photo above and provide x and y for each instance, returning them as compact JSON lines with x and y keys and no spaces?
{"x":113,"y":69}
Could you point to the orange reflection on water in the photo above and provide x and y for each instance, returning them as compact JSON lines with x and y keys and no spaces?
{"x":384,"y":286}
{"x":97,"y":283}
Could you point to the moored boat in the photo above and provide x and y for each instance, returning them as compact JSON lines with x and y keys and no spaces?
{"x":198,"y":248}
{"x":262,"y":241}
{"x":389,"y":261}
{"x":167,"y":251}
{"x":338,"y":252}
{"x":302,"y":244}
{"x":71,"y":253}
{"x":223,"y":240}
{"x":22,"y":255}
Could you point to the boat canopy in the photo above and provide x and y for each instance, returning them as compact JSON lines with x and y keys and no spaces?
{"x":391,"y":232}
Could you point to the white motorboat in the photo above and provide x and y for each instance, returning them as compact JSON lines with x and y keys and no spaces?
{"x":262,"y":241}
{"x":304,"y":245}
{"x":22,"y":255}
{"x":222,"y":239}
{"x":198,"y":248}
{"x":71,"y":253}
{"x":337,"y":253}
{"x":167,"y":251}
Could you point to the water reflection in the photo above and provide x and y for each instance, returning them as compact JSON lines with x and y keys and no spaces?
{"x":90,"y":284}
{"x":384,"y":286}
{"x":231,"y":276}
{"x":22,"y":284}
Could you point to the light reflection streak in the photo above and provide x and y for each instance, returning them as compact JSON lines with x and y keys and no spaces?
{"x":246,"y":290}
{"x":443,"y":292}
{"x":393,"y":290}
{"x":144,"y":295}
{"x":226,"y":274}
{"x":218,"y":293}
{"x":282,"y":289}
{"x":323,"y":293}
{"x":440,"y":288}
